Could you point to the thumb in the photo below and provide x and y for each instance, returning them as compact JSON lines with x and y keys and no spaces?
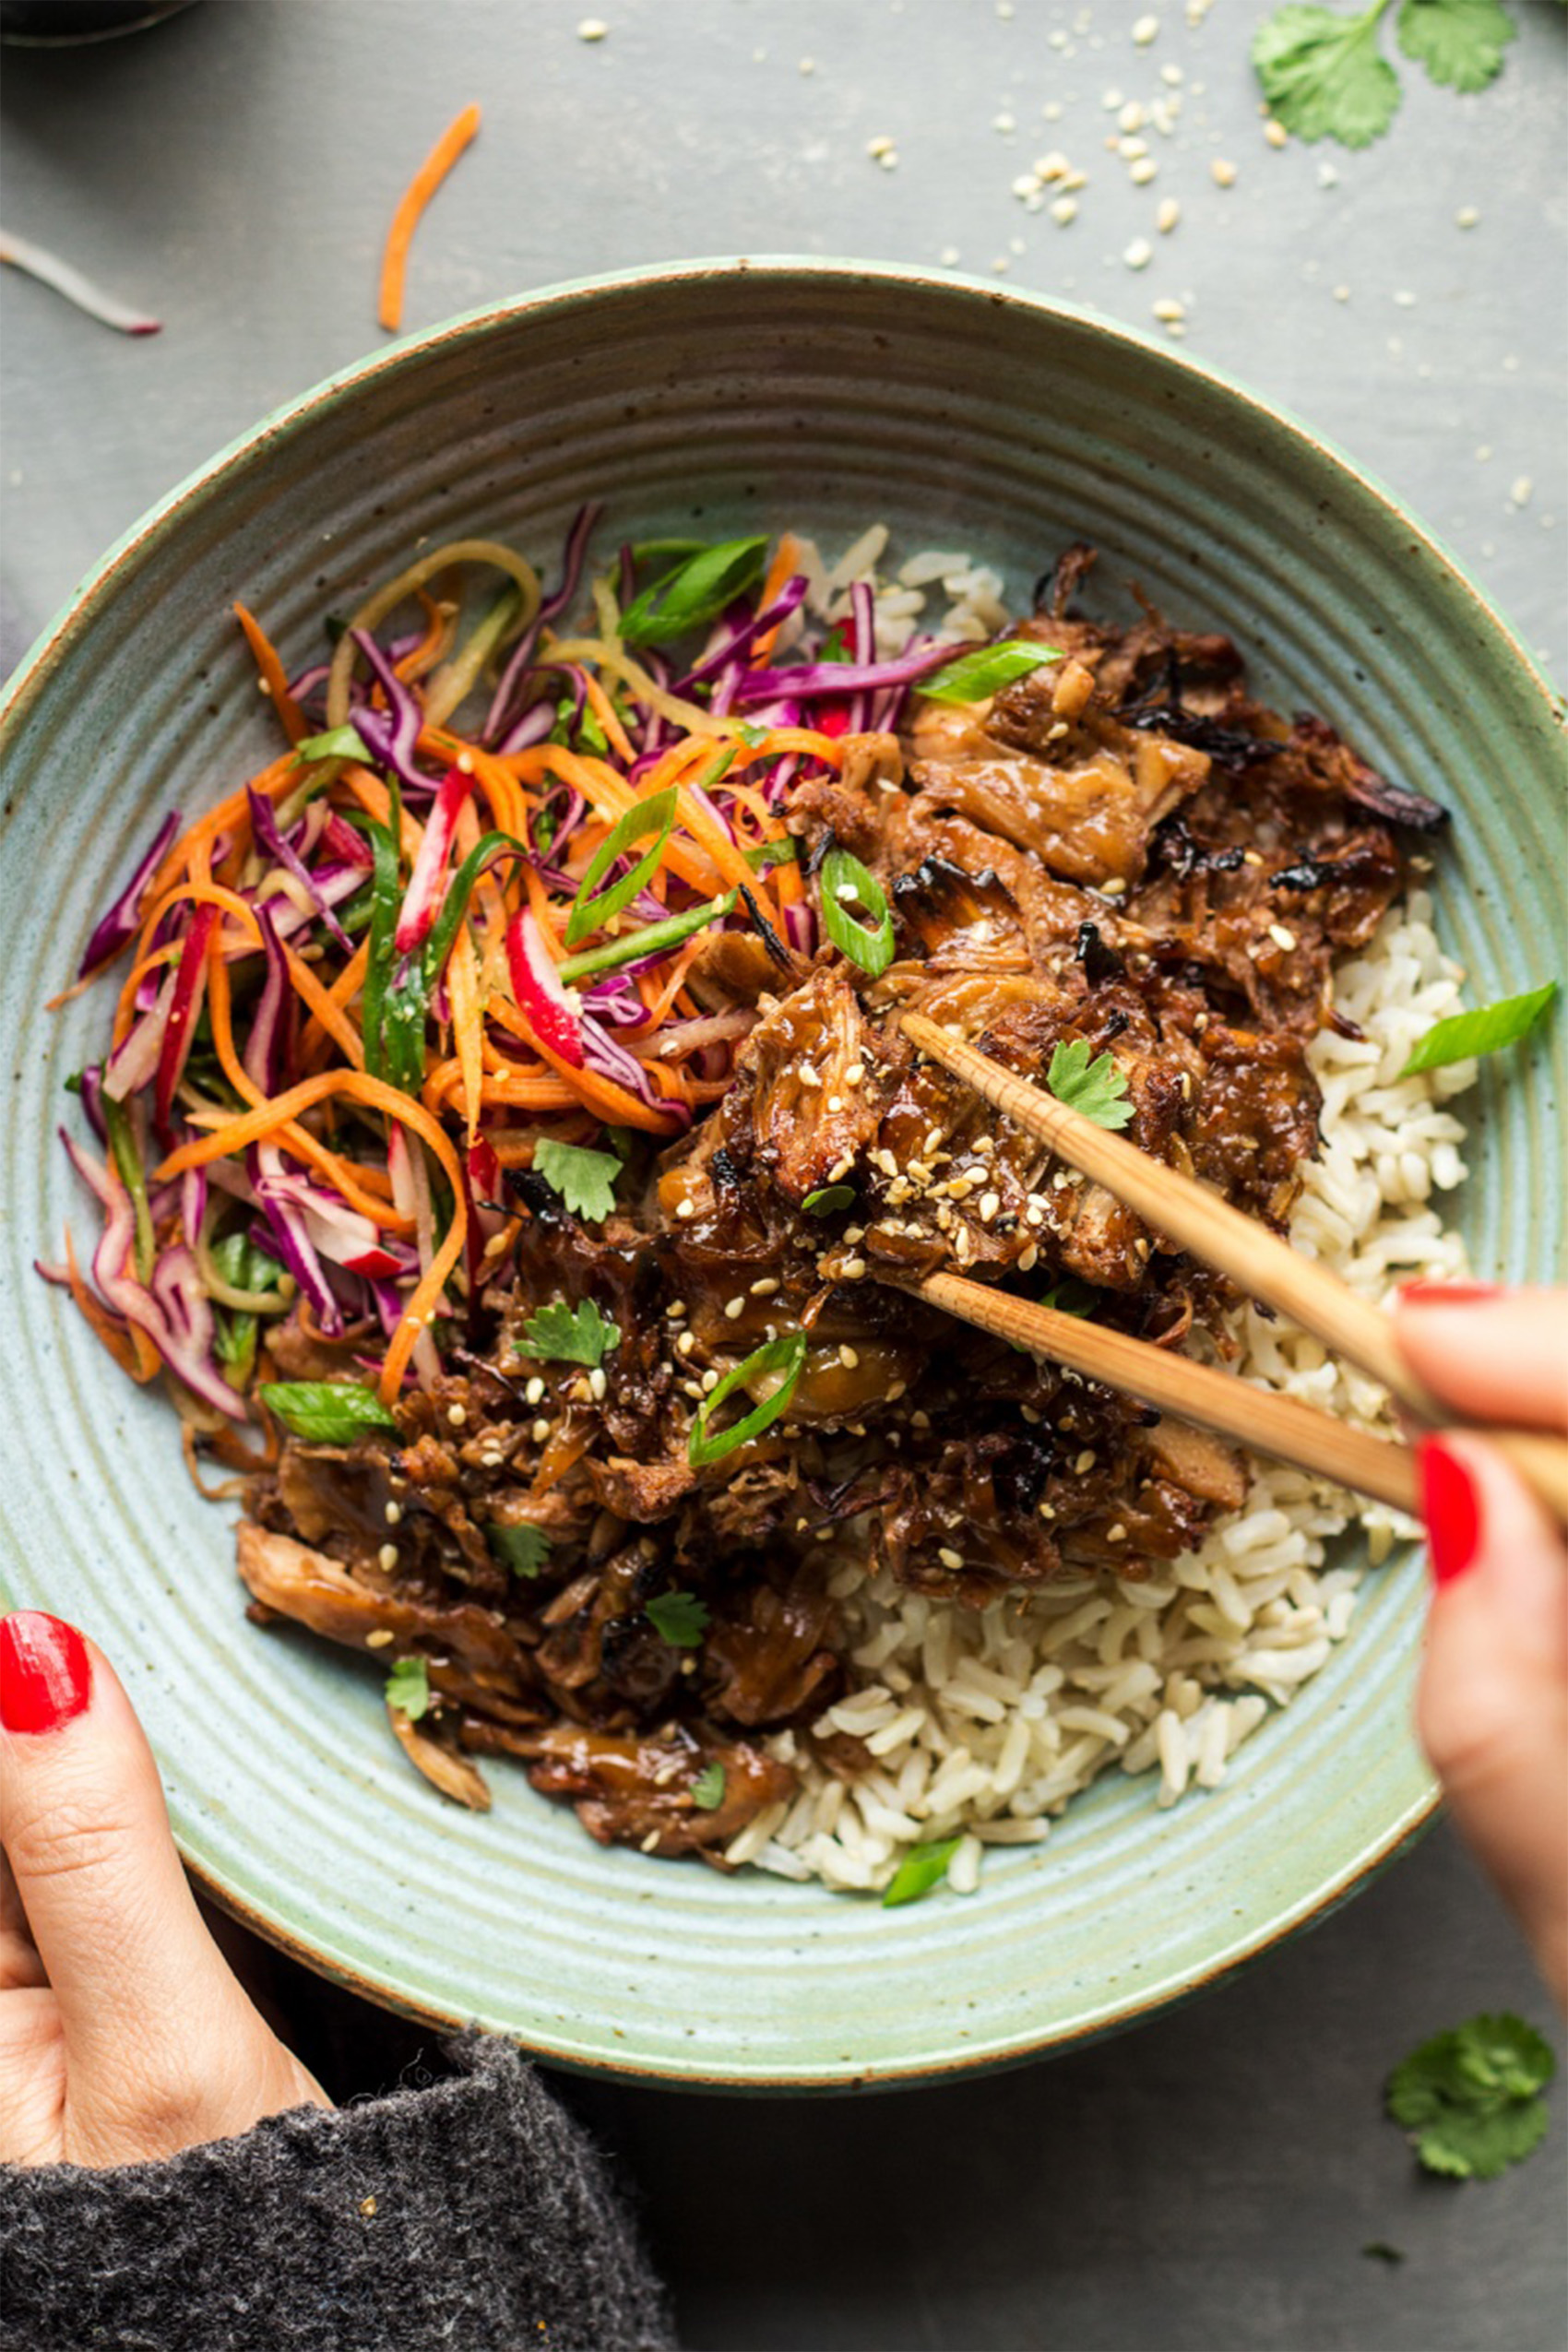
{"x":1492,"y":1709}
{"x":148,"y":2008}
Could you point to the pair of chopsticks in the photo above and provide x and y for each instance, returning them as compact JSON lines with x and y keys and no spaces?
{"x":1261,"y":1264}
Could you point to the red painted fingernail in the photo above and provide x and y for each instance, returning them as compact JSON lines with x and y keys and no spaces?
{"x":45,"y":1673}
{"x":1447,"y":1294}
{"x":1451,"y":1508}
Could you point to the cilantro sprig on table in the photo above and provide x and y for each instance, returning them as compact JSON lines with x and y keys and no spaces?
{"x":1325,"y":75}
{"x":1470,"y":2098}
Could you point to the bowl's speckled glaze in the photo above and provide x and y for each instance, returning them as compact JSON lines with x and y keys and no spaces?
{"x":720,"y":395}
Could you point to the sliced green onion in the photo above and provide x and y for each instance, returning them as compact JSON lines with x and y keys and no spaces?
{"x":830,"y":1199}
{"x":1464,"y":1036}
{"x":922,"y":1868}
{"x":694,"y":591}
{"x":786,"y":1356}
{"x":338,"y":742}
{"x":325,"y":1412}
{"x":589,"y":912}
{"x":975,"y":677}
{"x":782,"y":851}
{"x":655,"y":941}
{"x":843,"y":883}
{"x":127,"y":1159}
{"x":385,"y":902}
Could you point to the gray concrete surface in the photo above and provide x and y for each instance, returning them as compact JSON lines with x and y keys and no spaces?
{"x":1211,"y":2179}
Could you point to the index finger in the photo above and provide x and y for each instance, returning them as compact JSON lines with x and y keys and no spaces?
{"x":1493,"y":1355}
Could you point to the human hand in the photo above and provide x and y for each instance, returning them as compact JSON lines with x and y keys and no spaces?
{"x":1492,"y":1709}
{"x":123,"y":2035}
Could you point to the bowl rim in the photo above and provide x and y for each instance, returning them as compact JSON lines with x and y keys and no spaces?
{"x":58,"y":638}
{"x":50,"y":647}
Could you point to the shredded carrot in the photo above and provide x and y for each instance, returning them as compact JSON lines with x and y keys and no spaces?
{"x":608,"y":717}
{"x":315,"y":1037}
{"x":299,"y":1140}
{"x":440,"y":627}
{"x":785,"y":556}
{"x":274,"y":677}
{"x":406,"y":219}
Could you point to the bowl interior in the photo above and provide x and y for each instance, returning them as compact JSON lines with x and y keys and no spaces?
{"x":723,"y":398}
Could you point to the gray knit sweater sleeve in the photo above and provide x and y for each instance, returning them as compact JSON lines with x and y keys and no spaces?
{"x":471,"y":2214}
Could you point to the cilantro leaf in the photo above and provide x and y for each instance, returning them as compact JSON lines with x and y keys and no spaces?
{"x":679,"y":1618}
{"x":922,"y":1868}
{"x":1460,"y":43}
{"x":1322,"y":74}
{"x":1463,"y":1036}
{"x":1097,"y":1090}
{"x":564,"y":1334}
{"x":584,"y":1180}
{"x":707,"y":1791}
{"x":1469,"y":2098}
{"x":408,"y":1688}
{"x":522,"y":1548}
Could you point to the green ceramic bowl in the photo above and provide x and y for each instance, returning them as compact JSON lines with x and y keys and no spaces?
{"x":722,"y":397}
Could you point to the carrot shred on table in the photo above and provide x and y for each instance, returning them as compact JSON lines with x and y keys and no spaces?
{"x":411,"y":207}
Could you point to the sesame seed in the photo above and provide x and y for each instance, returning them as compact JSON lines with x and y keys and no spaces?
{"x":1170,"y":311}
{"x":1131,"y":118}
{"x":387,"y":1556}
{"x":918,"y":1419}
{"x":989,"y":1204}
{"x":1047,"y":1510}
{"x":848,"y":1357}
{"x":1145,"y":30}
{"x":765,"y":1286}
{"x":708,"y":1383}
{"x":806,"y":1076}
{"x":1144,"y":170}
{"x":855,"y":1075}
{"x":1467,"y":217}
{"x":1028,"y":1259}
{"x":1281,"y":937}
{"x":579,"y":1392}
{"x":948,"y":1557}
{"x":394,"y":1513}
{"x":853,"y":1269}
{"x":1138,"y":254}
{"x":378,"y":1637}
{"x":676,"y":1310}
{"x":1117,"y":1534}
{"x":598,"y":1384}
{"x":457,"y":1415}
{"x":1064,"y":210}
{"x":1132,"y":150}
{"x":692,"y":1388}
{"x":541,"y":1431}
{"x":1084,"y":1462}
{"x":1222,"y":173}
{"x":900,"y":1388}
{"x":1035,"y":1213}
{"x":735,"y":1309}
{"x":685,"y":1210}
{"x":1276,"y":133}
{"x":834,"y":1102}
{"x":497,"y":1244}
{"x":1116,"y":885}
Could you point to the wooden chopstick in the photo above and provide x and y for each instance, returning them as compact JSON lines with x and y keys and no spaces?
{"x":1259,"y":1262}
{"x":1259,"y":1418}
